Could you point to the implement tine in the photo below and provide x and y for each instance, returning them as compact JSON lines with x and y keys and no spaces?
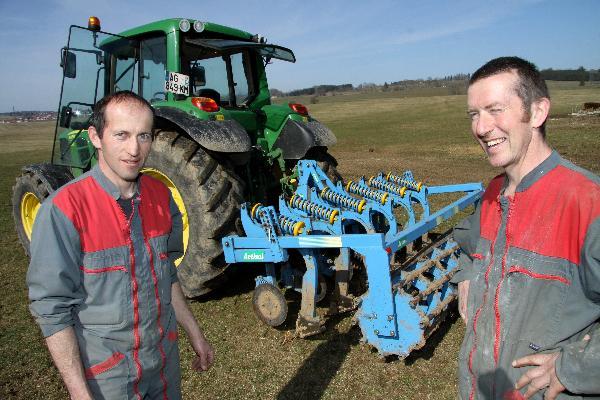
{"x":432,"y":288}
{"x":426,"y":320}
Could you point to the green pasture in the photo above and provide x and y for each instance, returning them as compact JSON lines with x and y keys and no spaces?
{"x":427,"y":133}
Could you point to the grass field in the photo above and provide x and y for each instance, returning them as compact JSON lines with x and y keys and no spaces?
{"x":427,"y":134}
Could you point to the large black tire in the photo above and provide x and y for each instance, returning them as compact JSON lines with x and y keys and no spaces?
{"x":212,"y":195}
{"x":325,"y":161}
{"x":30,"y":190}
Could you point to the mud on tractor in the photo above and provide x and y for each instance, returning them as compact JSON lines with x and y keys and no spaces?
{"x":219,"y":140}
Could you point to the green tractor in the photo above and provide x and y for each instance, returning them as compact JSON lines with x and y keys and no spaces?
{"x":219,"y":140}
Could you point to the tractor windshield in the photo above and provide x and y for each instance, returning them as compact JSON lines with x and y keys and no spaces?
{"x":227,"y":70}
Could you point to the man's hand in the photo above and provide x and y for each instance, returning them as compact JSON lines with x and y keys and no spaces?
{"x":463,"y":294}
{"x":544,"y":375}
{"x":205,"y":354}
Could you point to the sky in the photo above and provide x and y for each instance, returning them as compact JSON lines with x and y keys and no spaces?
{"x":335,"y":41}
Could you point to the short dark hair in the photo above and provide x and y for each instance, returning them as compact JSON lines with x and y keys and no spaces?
{"x":98,"y":119}
{"x":531,"y":86}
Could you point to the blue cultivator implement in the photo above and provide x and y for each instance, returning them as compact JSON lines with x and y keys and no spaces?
{"x":382,"y":226}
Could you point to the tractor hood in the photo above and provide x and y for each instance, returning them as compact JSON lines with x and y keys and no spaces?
{"x":265,"y":50}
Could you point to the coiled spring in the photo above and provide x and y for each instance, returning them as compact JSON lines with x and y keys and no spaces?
{"x":290,"y":226}
{"x":357,"y":205}
{"x":322,"y":212}
{"x":254,"y":210}
{"x":390,"y":187}
{"x":353,"y":187}
{"x":413,"y":185}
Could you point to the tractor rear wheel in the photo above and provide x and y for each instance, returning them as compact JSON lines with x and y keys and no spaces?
{"x":208,"y":194}
{"x":30,"y":190}
{"x":326,"y":162}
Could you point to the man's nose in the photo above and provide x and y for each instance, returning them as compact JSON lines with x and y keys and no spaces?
{"x":484,"y":124}
{"x":133,"y":147}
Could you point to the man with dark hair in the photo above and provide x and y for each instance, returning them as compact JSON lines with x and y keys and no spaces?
{"x":529,"y":276}
{"x":98,"y":119}
{"x":102,"y":282}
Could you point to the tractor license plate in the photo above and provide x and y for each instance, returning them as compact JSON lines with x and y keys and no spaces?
{"x":177,"y":83}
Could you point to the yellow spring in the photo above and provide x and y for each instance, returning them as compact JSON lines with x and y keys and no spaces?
{"x":353,"y":187}
{"x":390,"y":187}
{"x":344,"y":201}
{"x":254,"y":209}
{"x":416,"y":186}
{"x":290,"y":226}
{"x":314,"y":209}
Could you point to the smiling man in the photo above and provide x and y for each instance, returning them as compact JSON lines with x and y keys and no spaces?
{"x":102,"y":281}
{"x":529,"y":276}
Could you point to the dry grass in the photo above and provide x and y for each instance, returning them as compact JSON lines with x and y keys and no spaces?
{"x":428,"y":135}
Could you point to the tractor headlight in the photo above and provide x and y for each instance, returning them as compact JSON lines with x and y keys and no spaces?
{"x":184,"y":25}
{"x":198,"y":26}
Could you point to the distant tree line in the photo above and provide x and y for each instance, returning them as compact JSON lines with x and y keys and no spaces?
{"x":454,"y":84}
{"x":580,"y":74}
{"x":321,"y":90}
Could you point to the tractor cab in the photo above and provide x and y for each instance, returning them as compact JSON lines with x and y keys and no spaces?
{"x":208,"y":72}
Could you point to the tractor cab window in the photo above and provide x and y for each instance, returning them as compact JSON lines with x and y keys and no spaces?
{"x":240,"y":78}
{"x":152,"y":69}
{"x":124,"y":65}
{"x":222,"y":76}
{"x":208,"y":78}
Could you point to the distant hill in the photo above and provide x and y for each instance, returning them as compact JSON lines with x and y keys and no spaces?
{"x":456,"y":84}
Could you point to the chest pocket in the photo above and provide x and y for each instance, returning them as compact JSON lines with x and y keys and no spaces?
{"x":481,"y":260}
{"x":105,"y":279}
{"x":163,"y":267}
{"x":536,"y":293}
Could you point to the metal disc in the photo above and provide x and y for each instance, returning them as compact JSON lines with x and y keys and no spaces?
{"x":269,"y":304}
{"x":321,"y":290}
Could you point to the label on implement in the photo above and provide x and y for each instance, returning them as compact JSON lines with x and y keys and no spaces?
{"x":177,"y":83}
{"x":253,"y":256}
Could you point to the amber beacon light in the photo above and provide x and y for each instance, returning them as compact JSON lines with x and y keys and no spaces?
{"x":94,"y":23}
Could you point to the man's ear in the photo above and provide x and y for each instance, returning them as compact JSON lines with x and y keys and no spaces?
{"x":539,"y":111}
{"x":93,"y":134}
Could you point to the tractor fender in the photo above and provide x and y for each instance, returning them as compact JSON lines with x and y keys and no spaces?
{"x":297,"y":138}
{"x":221,"y":136}
{"x":52,"y":176}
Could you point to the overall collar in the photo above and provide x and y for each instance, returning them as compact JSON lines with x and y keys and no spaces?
{"x":535,"y":174}
{"x":110,"y":187}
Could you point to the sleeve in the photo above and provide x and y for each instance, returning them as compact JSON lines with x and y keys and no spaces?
{"x":466,"y":234}
{"x":53,"y":277}
{"x":577,"y":367}
{"x":175,"y":247}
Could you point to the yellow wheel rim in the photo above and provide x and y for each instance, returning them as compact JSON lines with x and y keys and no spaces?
{"x":30,"y":204}
{"x":180,"y":204}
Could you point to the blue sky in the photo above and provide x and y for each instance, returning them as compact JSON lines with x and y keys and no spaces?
{"x":335,"y":42}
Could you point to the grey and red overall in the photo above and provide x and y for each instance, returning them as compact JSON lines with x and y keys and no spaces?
{"x":533,"y":260}
{"x":109,"y":276}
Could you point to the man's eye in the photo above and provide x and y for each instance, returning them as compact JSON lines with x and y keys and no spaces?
{"x":496,"y":111}
{"x":145,"y":137}
{"x":473,"y":115}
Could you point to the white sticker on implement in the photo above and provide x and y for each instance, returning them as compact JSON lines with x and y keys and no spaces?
{"x":177,"y":83}
{"x":322,"y":241}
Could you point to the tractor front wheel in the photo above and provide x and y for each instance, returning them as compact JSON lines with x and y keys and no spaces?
{"x":208,"y":193}
{"x":29,"y":191}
